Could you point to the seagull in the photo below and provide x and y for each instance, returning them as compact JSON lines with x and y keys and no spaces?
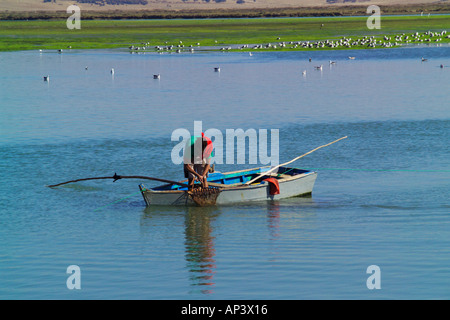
{"x":47,"y":78}
{"x":352,"y":58}
{"x":332,"y":62}
{"x":304,"y":72}
{"x":112,"y":71}
{"x":217,"y":69}
{"x":156,"y":76}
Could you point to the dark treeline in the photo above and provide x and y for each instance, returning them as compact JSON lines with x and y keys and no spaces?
{"x":441,"y":8}
{"x":114,"y":2}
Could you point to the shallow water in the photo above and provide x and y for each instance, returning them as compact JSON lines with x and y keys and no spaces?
{"x":381,"y":197}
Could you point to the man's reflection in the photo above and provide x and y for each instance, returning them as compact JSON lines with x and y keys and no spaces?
{"x":199,"y":243}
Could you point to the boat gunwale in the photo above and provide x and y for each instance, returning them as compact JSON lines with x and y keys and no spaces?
{"x":238,"y":187}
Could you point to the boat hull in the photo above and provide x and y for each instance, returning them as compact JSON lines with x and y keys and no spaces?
{"x":289,"y":186}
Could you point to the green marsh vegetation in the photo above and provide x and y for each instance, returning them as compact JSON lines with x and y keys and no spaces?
{"x":181,"y":34}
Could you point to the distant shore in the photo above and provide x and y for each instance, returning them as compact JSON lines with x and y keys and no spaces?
{"x":320,"y":11}
{"x":188,"y":35}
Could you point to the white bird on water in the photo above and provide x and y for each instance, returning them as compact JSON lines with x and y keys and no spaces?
{"x":112,"y":71}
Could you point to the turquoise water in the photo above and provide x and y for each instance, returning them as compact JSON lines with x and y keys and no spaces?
{"x":381,"y":196}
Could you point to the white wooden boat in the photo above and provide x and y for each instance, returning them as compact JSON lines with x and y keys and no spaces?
{"x":290,"y":182}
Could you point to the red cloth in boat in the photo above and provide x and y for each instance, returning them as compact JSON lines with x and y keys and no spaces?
{"x":274,"y":186}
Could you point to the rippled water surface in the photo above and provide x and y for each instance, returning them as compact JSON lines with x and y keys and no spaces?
{"x":381,"y":196}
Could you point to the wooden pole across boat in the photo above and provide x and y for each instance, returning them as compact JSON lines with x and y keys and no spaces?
{"x":286,"y":163}
{"x":117,"y":177}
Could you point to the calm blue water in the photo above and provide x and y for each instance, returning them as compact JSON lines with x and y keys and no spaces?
{"x":381,"y":197}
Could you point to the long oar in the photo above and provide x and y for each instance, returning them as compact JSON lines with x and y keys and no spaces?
{"x":286,"y":163}
{"x":117,"y":177}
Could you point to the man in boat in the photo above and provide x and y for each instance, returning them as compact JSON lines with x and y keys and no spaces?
{"x":197,"y":160}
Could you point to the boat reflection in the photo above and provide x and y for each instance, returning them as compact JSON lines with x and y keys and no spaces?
{"x":200,"y":224}
{"x":199,"y":240}
{"x":199,"y":244}
{"x":276,"y":207}
{"x":273,"y":219}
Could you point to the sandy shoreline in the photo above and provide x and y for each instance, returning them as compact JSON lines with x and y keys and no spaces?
{"x":176,"y":5}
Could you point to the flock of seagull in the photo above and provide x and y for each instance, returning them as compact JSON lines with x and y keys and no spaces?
{"x":344,"y":42}
{"x":369,"y":42}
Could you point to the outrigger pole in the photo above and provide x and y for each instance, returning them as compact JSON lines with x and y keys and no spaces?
{"x":286,"y":163}
{"x":117,"y":177}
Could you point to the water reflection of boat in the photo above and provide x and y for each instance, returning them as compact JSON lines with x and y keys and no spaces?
{"x":199,"y":244}
{"x":201,"y":237}
{"x":273,"y":219}
{"x":199,"y":241}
